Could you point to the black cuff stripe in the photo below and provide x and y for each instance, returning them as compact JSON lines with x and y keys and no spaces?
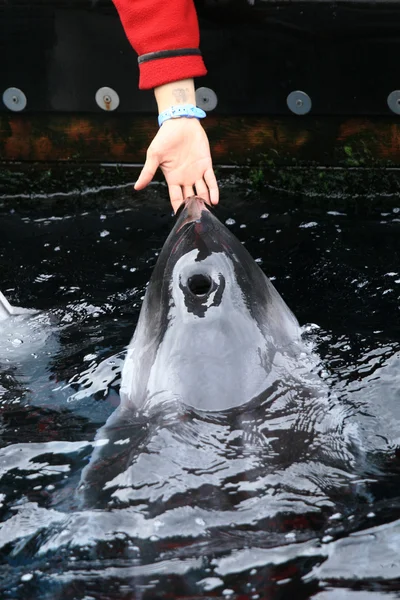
{"x":168,"y":54}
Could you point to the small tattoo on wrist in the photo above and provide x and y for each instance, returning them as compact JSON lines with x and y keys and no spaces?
{"x":180,"y":95}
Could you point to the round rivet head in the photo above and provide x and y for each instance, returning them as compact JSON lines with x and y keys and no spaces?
{"x":299,"y":102}
{"x":14,"y":99}
{"x":393,"y":101}
{"x":206,"y":98}
{"x":107,"y":98}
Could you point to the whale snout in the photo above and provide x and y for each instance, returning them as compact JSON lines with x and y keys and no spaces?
{"x":211,"y":322}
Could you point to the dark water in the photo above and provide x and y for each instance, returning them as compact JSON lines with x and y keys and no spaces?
{"x":269,"y":504}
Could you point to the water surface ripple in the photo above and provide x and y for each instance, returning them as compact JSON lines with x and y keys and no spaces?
{"x":295,"y":497}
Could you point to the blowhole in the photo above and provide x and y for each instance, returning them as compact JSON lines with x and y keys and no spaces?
{"x":200,"y":284}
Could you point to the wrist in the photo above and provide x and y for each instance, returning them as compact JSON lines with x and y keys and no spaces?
{"x":175,"y":94}
{"x":189,"y":111}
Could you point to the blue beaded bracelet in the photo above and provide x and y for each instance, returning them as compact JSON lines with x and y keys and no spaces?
{"x":183,"y":110}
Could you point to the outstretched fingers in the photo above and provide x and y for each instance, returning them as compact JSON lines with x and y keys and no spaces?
{"x":188,"y":191}
{"x":206,"y":188}
{"x":202,"y":190}
{"x":147,"y":173}
{"x":176,"y":196}
{"x":211,"y":181}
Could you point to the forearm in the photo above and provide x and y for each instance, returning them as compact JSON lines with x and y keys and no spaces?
{"x":169,"y":27}
{"x":175,"y":93}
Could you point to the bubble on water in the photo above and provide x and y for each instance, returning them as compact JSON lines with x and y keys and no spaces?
{"x":27,"y":577}
{"x":243,"y":225}
{"x":210,"y":583}
{"x":308,"y":225}
{"x":57,"y":249}
{"x":104,"y":233}
{"x":17,"y":342}
{"x":310,"y":327}
{"x":43,"y":277}
{"x":230,"y":221}
{"x":102,"y":442}
{"x":335,"y":517}
{"x":326,"y":539}
{"x":264,"y":216}
{"x":89,"y":357}
{"x":133,"y":269}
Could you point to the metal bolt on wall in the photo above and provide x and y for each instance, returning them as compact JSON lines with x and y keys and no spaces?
{"x":107,"y":98}
{"x":14,"y":99}
{"x":299,"y":102}
{"x":393,"y":101}
{"x":206,"y":99}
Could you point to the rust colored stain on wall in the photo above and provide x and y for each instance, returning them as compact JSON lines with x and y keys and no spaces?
{"x":122,"y":138}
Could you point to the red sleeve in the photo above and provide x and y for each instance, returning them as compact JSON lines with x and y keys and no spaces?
{"x":156,"y":25}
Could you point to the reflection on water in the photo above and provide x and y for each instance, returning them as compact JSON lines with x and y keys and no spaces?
{"x":296,"y":497}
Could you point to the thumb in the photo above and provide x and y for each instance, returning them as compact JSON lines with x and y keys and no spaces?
{"x":147,"y":173}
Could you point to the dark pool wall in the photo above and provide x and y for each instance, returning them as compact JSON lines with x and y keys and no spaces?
{"x":300,"y":78}
{"x":343,"y":56}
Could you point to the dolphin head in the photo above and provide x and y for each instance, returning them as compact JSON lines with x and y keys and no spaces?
{"x":211,"y":322}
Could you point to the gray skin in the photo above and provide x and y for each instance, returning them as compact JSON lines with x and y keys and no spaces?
{"x":211,"y":321}
{"x":215,"y":346}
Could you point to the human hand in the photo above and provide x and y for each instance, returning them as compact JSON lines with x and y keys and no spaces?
{"x":182,"y":151}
